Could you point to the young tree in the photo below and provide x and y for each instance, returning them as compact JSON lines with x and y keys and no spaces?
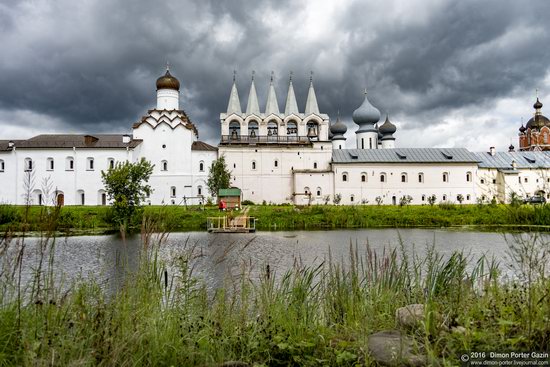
{"x":126,"y":186}
{"x":218,"y":177}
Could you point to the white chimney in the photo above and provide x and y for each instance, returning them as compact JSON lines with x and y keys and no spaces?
{"x":492,"y":151}
{"x":11,"y":144}
{"x":514,"y":165}
{"x":125,"y":138}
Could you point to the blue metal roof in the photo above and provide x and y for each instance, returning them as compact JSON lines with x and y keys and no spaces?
{"x":503,"y":160}
{"x":404,"y":155}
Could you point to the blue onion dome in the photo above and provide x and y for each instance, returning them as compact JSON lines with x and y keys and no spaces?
{"x":330,"y":134}
{"x":167,"y":81}
{"x":539,"y":120}
{"x":387,"y":127}
{"x":366,"y":113}
{"x":339,"y":128}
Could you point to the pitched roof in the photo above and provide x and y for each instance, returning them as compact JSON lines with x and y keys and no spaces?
{"x":311,"y":102}
{"x":234,"y":104}
{"x":272,"y":106}
{"x":252,"y":107}
{"x":291,"y":107}
{"x":503,"y":160}
{"x":73,"y":141}
{"x":200,"y":145}
{"x":404,"y":155}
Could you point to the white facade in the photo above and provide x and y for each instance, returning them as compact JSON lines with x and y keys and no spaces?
{"x":274,"y":155}
{"x":66,"y":169}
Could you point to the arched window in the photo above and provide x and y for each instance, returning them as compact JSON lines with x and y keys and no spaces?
{"x":89,"y":164}
{"x":234,"y":130}
{"x":49,"y":164}
{"x":306,"y":190}
{"x":382,"y":177}
{"x":101,"y":197}
{"x":403,"y":177}
{"x":81,"y":197}
{"x":292,"y":128}
{"x":164,"y":166}
{"x":111,"y":163}
{"x":423,"y":197}
{"x":420,"y":177}
{"x":276,"y":163}
{"x":468,"y":176}
{"x":69,"y":164}
{"x":545,"y":137}
{"x":272,"y":128}
{"x":201,"y":166}
{"x":444,"y":197}
{"x":2,"y":165}
{"x":312,"y":129}
{"x":445,"y":177}
{"x":468,"y":197}
{"x":363,"y":177}
{"x":199,"y":190}
{"x":344,"y":177}
{"x":253,"y":165}
{"x":173,"y":191}
{"x":28,"y":164}
{"x":253,"y":129}
{"x":351,"y":198}
{"x":318,"y":191}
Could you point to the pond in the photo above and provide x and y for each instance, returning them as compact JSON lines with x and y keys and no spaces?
{"x":219,"y":257}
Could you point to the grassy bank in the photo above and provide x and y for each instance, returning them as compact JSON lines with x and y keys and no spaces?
{"x":287,"y":217}
{"x":309,"y":316}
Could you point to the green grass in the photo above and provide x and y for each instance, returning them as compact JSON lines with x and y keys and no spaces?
{"x":287,"y":217}
{"x":368,"y":216}
{"x":308,"y":316}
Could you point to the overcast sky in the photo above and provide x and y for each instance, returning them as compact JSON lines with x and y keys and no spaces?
{"x":449,"y":73}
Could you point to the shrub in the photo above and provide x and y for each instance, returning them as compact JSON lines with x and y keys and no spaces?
{"x":9,"y":214}
{"x":247,"y":202}
{"x":447,"y":205}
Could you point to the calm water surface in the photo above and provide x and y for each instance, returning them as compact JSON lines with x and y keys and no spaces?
{"x":224,"y":256}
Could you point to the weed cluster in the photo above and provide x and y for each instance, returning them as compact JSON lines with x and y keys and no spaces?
{"x":313,"y":316}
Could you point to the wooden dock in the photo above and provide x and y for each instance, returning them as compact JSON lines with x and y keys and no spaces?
{"x":240,"y":224}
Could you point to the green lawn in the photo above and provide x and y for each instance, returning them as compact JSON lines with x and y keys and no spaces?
{"x":285,"y":217}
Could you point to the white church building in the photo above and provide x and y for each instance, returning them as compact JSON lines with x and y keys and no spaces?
{"x":276,"y":155}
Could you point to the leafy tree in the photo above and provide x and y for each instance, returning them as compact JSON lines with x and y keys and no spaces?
{"x":460,"y":198}
{"x":405,"y":200}
{"x":379,"y":200}
{"x":337,"y":199}
{"x":218,"y":177}
{"x":126,"y":186}
{"x":432,"y":199}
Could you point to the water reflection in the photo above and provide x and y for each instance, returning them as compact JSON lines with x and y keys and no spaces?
{"x":220,"y":257}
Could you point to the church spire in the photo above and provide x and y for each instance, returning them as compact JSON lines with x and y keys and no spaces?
{"x":253,"y":106}
{"x":291,"y":105}
{"x":234,"y":105}
{"x":311,"y":103}
{"x":271,"y":106}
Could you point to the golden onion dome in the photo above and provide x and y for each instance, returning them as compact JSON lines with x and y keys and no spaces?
{"x":167,"y":81}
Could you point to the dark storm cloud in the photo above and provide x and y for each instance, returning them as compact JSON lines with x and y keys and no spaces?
{"x":91,"y":65}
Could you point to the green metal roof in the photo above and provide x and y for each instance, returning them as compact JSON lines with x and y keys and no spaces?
{"x":229,"y":192}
